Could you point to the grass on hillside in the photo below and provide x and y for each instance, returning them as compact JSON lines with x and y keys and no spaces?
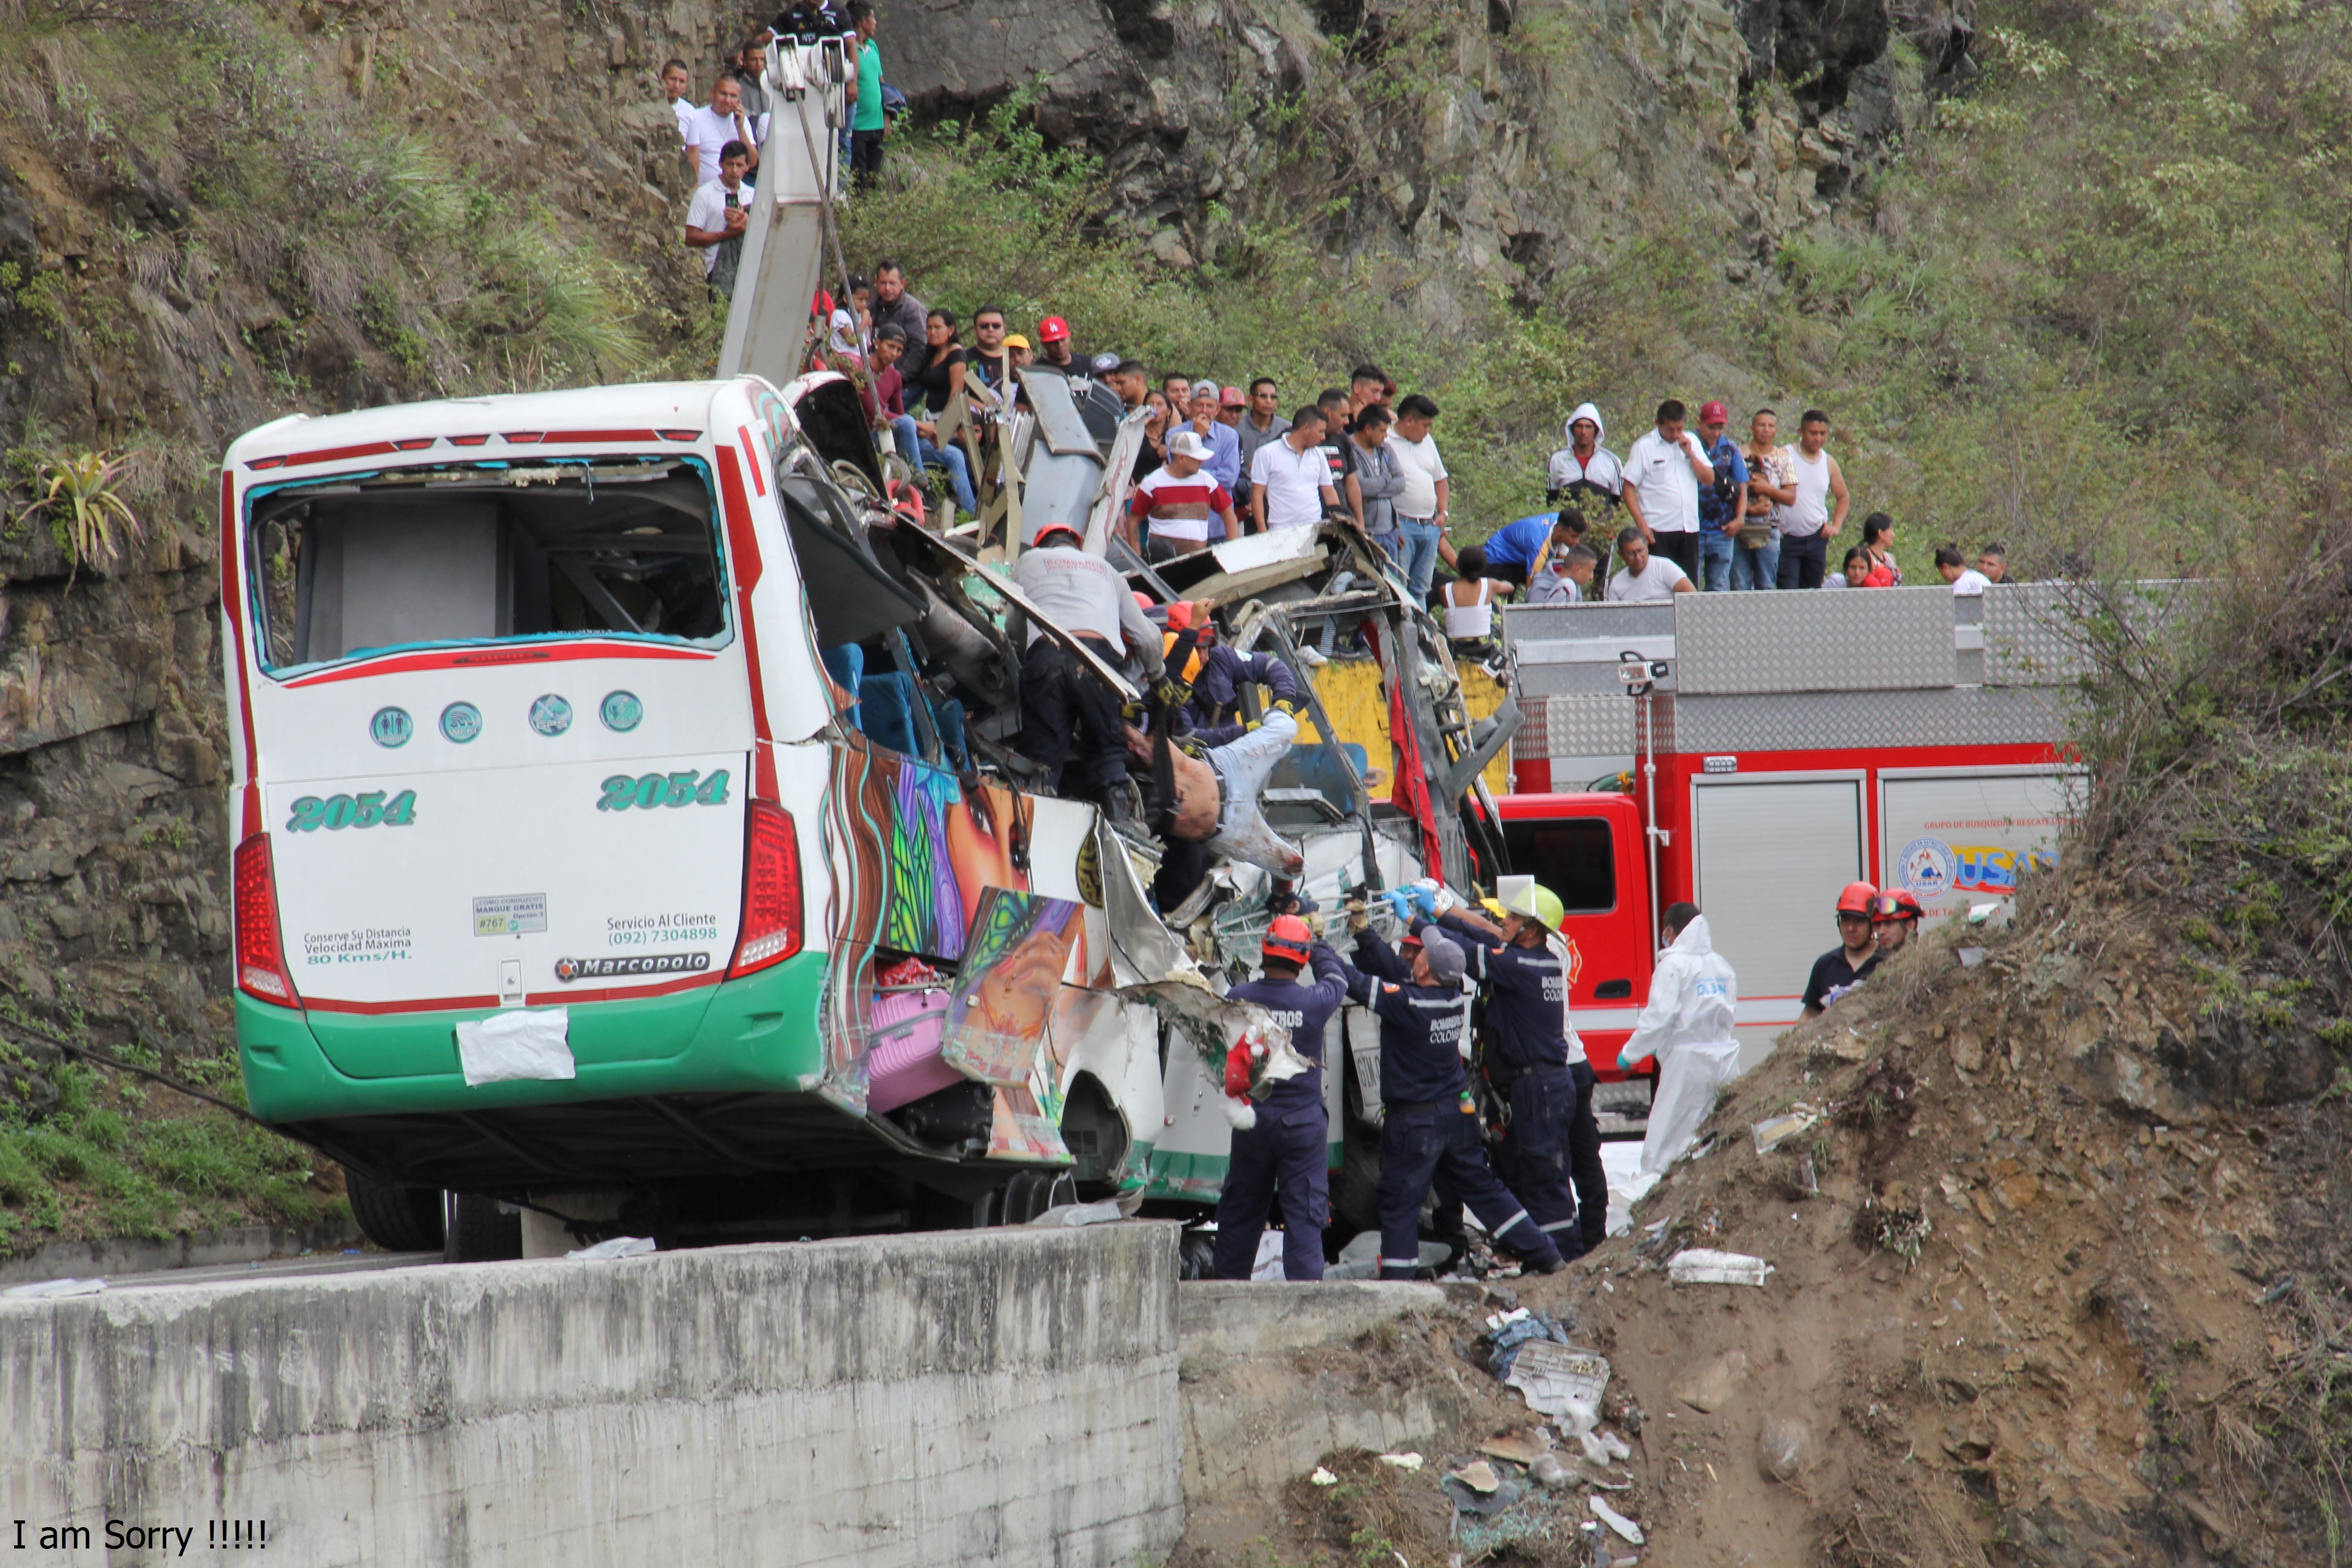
{"x":111,"y":1155}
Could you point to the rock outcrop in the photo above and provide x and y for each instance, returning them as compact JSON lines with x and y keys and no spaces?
{"x":1509,"y":136}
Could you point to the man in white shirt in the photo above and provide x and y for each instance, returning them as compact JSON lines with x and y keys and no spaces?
{"x":1818,"y":514}
{"x":678,"y":86}
{"x":716,"y":218}
{"x":707,"y":131}
{"x":1644,"y":577}
{"x":1290,"y":479}
{"x":1421,"y":506}
{"x":1663,"y":473}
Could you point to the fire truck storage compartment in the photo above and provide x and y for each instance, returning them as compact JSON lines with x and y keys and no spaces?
{"x":1958,"y":838}
{"x":1766,"y":906}
{"x":446,"y":555}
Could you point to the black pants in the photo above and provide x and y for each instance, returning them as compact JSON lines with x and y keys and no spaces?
{"x":1682,"y":549}
{"x":1285,"y":1157}
{"x":1533,"y":1157}
{"x":1801,"y":560}
{"x":1436,"y":1143}
{"x":1584,"y":1166}
{"x":1069,"y":720}
{"x":865,"y":157}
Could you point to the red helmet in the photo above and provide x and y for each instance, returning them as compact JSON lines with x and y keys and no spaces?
{"x":1855,"y":900}
{"x":1288,"y":938}
{"x":1898,"y":905}
{"x":1053,"y":330}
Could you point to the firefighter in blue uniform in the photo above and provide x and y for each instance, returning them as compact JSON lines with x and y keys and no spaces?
{"x":1285,"y":1152}
{"x":1527,"y":1062}
{"x":1430,"y":1126}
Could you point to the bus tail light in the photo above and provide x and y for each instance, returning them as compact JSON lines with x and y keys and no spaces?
{"x":770,"y":931}
{"x":260,"y":957}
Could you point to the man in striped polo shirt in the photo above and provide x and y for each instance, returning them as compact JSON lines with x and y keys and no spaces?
{"x":1178,"y":507}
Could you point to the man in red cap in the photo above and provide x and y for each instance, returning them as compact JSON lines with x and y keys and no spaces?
{"x":1055,"y":350}
{"x":1285,"y":1151}
{"x":1722,"y":505}
{"x":1230,"y":404}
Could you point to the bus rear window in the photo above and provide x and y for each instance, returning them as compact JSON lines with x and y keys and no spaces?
{"x":1576,"y":859}
{"x":620,"y":547}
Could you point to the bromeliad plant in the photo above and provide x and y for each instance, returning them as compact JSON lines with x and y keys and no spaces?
{"x":82,"y":496}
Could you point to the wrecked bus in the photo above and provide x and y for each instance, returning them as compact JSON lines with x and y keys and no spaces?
{"x":568,"y":874}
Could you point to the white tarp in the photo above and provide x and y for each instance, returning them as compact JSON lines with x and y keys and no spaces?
{"x":505,"y":1047}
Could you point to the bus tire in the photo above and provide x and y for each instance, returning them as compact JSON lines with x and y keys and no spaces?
{"x":479,"y":1232}
{"x":1356,"y":1185}
{"x":396,"y":1218}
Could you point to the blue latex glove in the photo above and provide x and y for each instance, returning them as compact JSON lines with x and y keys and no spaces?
{"x":1401,"y":904}
{"x":1425,"y":901}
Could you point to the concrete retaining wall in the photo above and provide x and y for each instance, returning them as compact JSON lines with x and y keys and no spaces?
{"x":1000,"y":1396}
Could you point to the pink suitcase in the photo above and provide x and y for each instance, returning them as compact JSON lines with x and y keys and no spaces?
{"x":902,"y":1048}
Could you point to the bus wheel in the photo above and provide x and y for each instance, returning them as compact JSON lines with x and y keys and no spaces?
{"x":481,"y":1230}
{"x":398,"y":1219}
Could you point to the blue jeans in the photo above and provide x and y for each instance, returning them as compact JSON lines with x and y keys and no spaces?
{"x":1715,"y":554}
{"x":1420,"y":556}
{"x":958,"y":473}
{"x":1760,"y":568}
{"x":911,"y":446}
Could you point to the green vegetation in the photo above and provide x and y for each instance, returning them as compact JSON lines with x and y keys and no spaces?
{"x":363,"y":231}
{"x":107,"y":1156}
{"x":2099,"y":306}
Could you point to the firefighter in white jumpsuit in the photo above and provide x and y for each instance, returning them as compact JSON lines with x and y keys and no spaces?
{"x":1686,"y":1025}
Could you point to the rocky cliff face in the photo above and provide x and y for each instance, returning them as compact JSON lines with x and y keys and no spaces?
{"x":1509,"y":137}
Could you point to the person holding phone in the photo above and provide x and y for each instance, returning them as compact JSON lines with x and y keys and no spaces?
{"x":716,"y":220}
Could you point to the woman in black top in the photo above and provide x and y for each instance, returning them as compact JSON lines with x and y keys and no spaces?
{"x":942,"y":362}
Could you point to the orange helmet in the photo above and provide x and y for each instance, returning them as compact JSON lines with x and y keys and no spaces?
{"x":1856,"y":898}
{"x":1288,"y":938}
{"x":1898,"y":905}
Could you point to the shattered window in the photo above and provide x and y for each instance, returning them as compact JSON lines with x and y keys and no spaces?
{"x":1576,"y":859}
{"x":622,"y":547}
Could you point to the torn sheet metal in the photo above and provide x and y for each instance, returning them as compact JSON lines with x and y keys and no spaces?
{"x":507,"y":1047}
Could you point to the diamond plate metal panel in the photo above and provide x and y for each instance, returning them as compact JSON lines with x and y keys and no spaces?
{"x":1570,"y":681}
{"x":2031,"y":636}
{"x":1812,"y":721}
{"x":1580,"y":726}
{"x":1887,"y":639}
{"x":1545,"y":623}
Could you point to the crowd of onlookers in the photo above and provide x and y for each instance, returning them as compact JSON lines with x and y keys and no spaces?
{"x":821,"y":47}
{"x":1686,"y":509}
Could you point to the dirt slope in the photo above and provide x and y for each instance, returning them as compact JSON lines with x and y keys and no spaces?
{"x":2109,"y":1349}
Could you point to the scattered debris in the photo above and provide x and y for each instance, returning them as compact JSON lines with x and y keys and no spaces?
{"x":1407,"y":1461}
{"x":1613,"y":1520}
{"x":1775,"y":1130}
{"x":1478,"y":1478}
{"x":1548,"y":1471}
{"x":1560,"y":1382}
{"x":1705,"y":1266}
{"x":1102,"y":1213}
{"x":1512,"y":1330}
{"x":1323,"y":1477}
{"x":47,"y":1290}
{"x":618,"y":1246}
{"x":1493,"y":1499}
{"x":1519,"y":1448}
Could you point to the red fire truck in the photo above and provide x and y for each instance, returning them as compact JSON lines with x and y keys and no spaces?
{"x":1755,"y":753}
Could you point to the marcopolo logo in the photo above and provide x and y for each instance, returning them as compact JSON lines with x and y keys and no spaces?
{"x":633,"y":966}
{"x":1925,"y":866}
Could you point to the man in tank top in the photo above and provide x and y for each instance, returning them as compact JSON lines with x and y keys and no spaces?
{"x":1818,"y":514}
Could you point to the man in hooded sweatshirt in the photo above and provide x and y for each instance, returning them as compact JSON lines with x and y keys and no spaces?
{"x":1584,"y":465}
{"x":1687,"y":1026}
